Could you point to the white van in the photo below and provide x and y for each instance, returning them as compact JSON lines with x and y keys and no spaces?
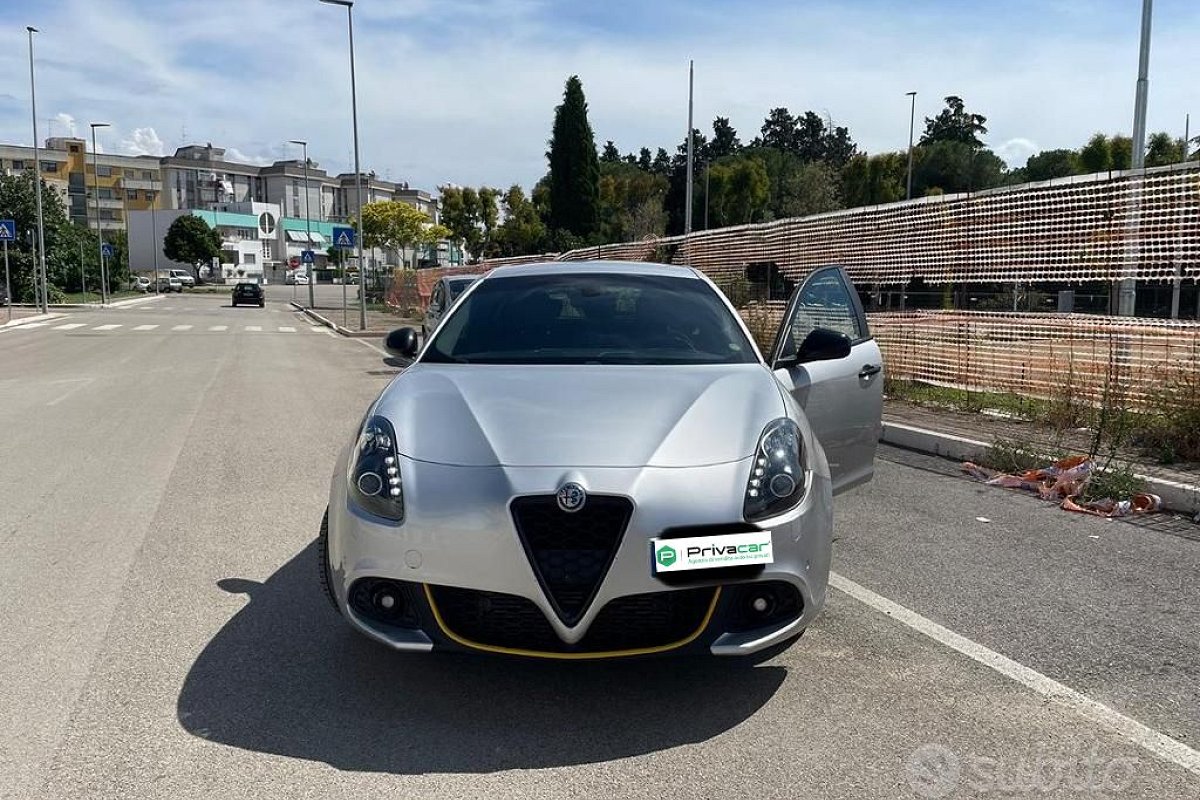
{"x":184,"y":277}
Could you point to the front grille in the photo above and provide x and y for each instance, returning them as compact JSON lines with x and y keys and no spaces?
{"x":571,"y":552}
{"x":635,"y":622}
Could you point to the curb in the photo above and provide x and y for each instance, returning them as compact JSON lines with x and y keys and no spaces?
{"x":328,"y":323}
{"x":134,"y":301}
{"x":16,"y":323}
{"x":1176,"y":496}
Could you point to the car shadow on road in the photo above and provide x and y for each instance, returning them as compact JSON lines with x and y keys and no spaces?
{"x":286,"y":676}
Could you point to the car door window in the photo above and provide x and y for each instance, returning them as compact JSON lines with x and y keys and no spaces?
{"x":825,"y":301}
{"x":437,"y":298}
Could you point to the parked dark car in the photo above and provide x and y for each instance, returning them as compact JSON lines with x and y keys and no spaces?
{"x":249,"y":294}
{"x":443,"y":295}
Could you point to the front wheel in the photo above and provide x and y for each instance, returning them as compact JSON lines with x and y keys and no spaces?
{"x":323,"y":568}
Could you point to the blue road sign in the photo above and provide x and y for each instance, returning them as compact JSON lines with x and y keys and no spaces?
{"x":107,"y":250}
{"x":307,"y":257}
{"x":343,"y":237}
{"x":8,"y":230}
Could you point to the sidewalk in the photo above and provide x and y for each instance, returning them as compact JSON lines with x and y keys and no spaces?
{"x":964,"y":436}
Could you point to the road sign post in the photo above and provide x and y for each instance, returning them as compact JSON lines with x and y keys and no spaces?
{"x":8,"y":233}
{"x":343,"y":239}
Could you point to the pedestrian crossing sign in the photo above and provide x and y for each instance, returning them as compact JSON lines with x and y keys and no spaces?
{"x":343,"y":237}
{"x":8,"y":230}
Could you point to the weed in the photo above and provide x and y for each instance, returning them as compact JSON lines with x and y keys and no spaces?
{"x":1012,"y":457}
{"x":1115,"y":482}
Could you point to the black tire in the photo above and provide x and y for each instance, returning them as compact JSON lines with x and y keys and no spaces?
{"x":233,"y":304}
{"x":262,"y":305}
{"x":323,"y":563}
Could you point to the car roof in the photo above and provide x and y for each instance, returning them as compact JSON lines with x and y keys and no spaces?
{"x":593,"y":268}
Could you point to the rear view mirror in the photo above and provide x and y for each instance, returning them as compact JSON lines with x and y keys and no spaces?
{"x":822,"y":344}
{"x":402,"y":342}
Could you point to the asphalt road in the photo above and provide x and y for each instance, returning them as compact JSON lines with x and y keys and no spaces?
{"x":162,"y":635}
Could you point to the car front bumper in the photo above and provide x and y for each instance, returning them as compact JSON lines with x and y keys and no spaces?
{"x":458,"y":534}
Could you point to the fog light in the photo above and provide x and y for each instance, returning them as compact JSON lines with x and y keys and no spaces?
{"x":761,"y":604}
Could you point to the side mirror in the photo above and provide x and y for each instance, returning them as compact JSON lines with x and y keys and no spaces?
{"x":822,"y":344}
{"x":402,"y":342}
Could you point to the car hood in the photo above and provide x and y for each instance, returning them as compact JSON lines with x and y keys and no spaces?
{"x":581,"y":415}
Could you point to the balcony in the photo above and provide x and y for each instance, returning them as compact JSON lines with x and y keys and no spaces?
{"x":139,"y":184}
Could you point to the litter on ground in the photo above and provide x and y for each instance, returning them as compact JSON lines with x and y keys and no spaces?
{"x":1064,"y":482}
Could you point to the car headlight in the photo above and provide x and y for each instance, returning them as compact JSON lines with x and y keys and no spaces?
{"x":776,"y":481}
{"x":374,"y":476}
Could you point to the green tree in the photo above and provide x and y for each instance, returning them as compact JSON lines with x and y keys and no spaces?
{"x":610,"y":155}
{"x":523,"y":232}
{"x":738,"y":191}
{"x":954,"y":166}
{"x":18,"y":203}
{"x":778,"y":130}
{"x":645,"y":161}
{"x":724,"y":140}
{"x":1096,"y":155}
{"x":574,"y":167}
{"x":1050,"y":164}
{"x":955,"y":124}
{"x":1121,"y":148}
{"x":398,"y":226}
{"x":662,"y":162}
{"x":631,"y":203}
{"x":1163,"y":149}
{"x":190,"y":240}
{"x":872,"y":180}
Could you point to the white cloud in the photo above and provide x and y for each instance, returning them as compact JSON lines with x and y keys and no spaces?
{"x":467,"y":97}
{"x":1016,"y":152}
{"x":143,"y":142}
{"x":62,"y":124}
{"x":234,"y":154}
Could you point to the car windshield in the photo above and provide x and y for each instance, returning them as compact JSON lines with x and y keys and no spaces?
{"x":591,"y":319}
{"x":457,"y":286}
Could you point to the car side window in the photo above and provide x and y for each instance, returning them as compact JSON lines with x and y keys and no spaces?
{"x":825,"y":302}
{"x":437,"y":298}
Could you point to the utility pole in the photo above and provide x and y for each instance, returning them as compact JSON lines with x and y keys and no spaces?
{"x":308,"y":223}
{"x":1127,"y":290}
{"x":99,"y":228}
{"x":687,"y":212}
{"x":44,"y":295}
{"x":912,"y":121}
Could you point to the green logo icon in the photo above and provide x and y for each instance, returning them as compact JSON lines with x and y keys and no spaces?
{"x":665,"y":555}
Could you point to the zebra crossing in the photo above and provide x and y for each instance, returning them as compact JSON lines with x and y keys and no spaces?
{"x":112,"y":327}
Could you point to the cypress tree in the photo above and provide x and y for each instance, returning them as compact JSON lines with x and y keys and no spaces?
{"x":574,"y":167}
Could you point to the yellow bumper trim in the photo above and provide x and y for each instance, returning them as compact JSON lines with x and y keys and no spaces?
{"x":516,"y":651}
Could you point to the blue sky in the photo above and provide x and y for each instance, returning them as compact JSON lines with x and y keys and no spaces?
{"x":462,"y":91}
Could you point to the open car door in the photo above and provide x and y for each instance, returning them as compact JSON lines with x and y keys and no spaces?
{"x":824,"y":355}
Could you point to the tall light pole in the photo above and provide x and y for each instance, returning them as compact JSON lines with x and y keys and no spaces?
{"x":1127,"y":289}
{"x":912,"y":122}
{"x":44,"y":294}
{"x":687,"y":212}
{"x":96,"y":199}
{"x":308,"y":222}
{"x":154,"y":227}
{"x":362,"y":283}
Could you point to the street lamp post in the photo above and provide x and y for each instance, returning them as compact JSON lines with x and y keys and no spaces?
{"x":307,"y":223}
{"x":99,"y":228}
{"x":912,"y":121}
{"x":1127,"y":288}
{"x":154,"y":228}
{"x":687,"y":211}
{"x":44,"y":294}
{"x":362,"y":284}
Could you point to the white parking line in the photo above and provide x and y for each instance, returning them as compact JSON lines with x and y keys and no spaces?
{"x":28,"y":325}
{"x":106,"y":327}
{"x":254,"y":327}
{"x":144,"y":327}
{"x":182,"y":328}
{"x":70,"y":326}
{"x":219,"y":328}
{"x":317,"y":328}
{"x":286,"y":329}
{"x":1159,"y":744}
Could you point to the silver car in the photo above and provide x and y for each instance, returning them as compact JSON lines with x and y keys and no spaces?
{"x":594,"y":460}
